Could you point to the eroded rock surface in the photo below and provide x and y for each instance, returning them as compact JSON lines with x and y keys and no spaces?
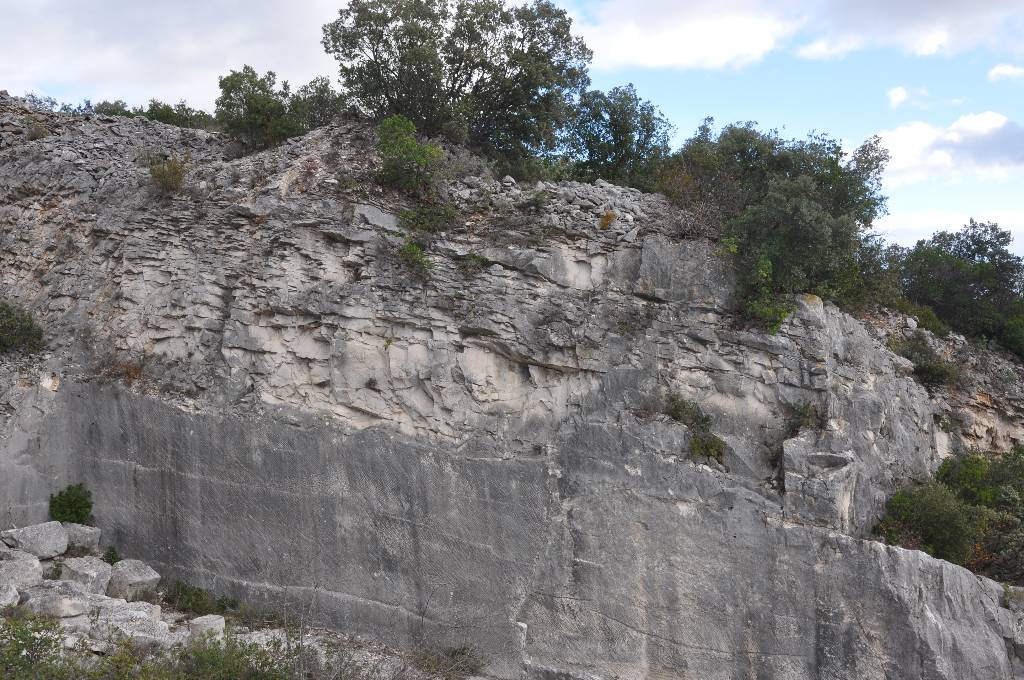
{"x":265,"y":401}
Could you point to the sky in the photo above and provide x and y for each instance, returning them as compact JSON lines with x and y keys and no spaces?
{"x":940,"y":81}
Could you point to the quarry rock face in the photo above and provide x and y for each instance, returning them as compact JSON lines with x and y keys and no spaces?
{"x":266,"y":402}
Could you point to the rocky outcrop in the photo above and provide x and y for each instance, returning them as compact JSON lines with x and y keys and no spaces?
{"x":265,"y":401}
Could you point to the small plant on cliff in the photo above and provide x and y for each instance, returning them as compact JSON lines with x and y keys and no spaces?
{"x":73,"y":504}
{"x":36,"y":130}
{"x":111,"y":556}
{"x":428,"y":217}
{"x":411,"y":255}
{"x":169,"y":175}
{"x":195,"y":600}
{"x":703,"y":443}
{"x":18,"y":330}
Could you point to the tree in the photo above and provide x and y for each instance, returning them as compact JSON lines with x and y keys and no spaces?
{"x":316,"y":104}
{"x":114,"y":108}
{"x":252,"y":109}
{"x":972,"y":281}
{"x":619,"y":137}
{"x":181,"y":114}
{"x":798,"y":213}
{"x":500,"y":78}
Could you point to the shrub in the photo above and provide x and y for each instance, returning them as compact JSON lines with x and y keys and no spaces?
{"x":73,"y":504}
{"x":412,"y":256}
{"x":799,"y":213}
{"x":195,"y":600}
{"x":929,"y":368}
{"x":607,"y":219}
{"x":168,"y":175}
{"x":451,"y":663}
{"x":926,"y":316}
{"x":36,"y":130}
{"x":703,"y":443}
{"x":30,"y":647}
{"x":931,"y":512}
{"x":408,"y":164}
{"x":971,"y":514}
{"x":111,"y":556}
{"x":804,"y":415}
{"x":18,"y":330}
{"x":429,"y":218}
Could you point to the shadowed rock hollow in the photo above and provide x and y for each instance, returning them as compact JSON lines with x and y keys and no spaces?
{"x":267,"y":402}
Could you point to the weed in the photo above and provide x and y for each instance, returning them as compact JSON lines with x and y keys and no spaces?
{"x":169,"y":175}
{"x":73,"y":504}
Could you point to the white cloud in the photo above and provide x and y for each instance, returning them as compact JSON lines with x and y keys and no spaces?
{"x":684,"y":36}
{"x":729,"y":33}
{"x":987,"y":145}
{"x":1002,"y":71}
{"x":124,"y":49}
{"x":898,"y":96}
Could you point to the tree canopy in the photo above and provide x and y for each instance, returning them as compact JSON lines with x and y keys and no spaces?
{"x":619,"y":137}
{"x":500,"y":78}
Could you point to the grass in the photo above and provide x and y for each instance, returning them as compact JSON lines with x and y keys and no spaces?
{"x":703,"y":443}
{"x":18,"y":330}
{"x":31,"y":648}
{"x":450,"y":663}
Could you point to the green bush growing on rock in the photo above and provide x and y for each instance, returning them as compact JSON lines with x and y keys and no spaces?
{"x":411,"y":255}
{"x":111,"y":556}
{"x":428,"y":218}
{"x":30,"y":647}
{"x":73,"y":504}
{"x":169,"y":175}
{"x":408,"y":164}
{"x":929,"y":368}
{"x":703,"y":443}
{"x":926,"y":316}
{"x":971,"y":514}
{"x":18,"y":330}
{"x":198,"y":601}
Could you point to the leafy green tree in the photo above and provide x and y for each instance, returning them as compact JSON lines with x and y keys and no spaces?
{"x":972,"y":281}
{"x":254,"y":110}
{"x":316,"y":104}
{"x":618,"y":136}
{"x":114,"y":108}
{"x":180,"y":114}
{"x":497,"y":77}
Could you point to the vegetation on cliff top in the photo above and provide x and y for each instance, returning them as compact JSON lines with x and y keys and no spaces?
{"x":510,"y":81}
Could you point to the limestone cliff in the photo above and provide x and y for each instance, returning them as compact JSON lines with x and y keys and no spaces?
{"x":267,"y":402}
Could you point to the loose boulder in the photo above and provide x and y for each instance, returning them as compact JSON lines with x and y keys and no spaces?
{"x":45,"y":540}
{"x":210,"y":626}
{"x":92,"y":573}
{"x":130,"y":579}
{"x":82,"y":536}
{"x":8,"y":595}
{"x":59,"y":599}
{"x":19,"y":569}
